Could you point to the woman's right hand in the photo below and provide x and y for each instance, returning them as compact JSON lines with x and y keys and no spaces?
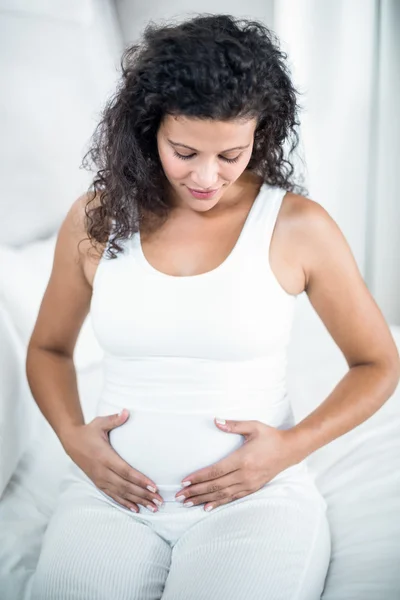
{"x":89,"y":447}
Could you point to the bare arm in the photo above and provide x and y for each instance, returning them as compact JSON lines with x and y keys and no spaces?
{"x":49,"y":363}
{"x":339,"y":295}
{"x":52,"y":376}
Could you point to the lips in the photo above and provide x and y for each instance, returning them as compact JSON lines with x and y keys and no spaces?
{"x":202,"y":195}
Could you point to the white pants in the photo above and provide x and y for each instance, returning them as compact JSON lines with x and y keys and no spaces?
{"x":264,"y":546}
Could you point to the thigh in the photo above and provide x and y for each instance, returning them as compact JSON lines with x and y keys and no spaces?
{"x":93,"y":550}
{"x":264,"y":549}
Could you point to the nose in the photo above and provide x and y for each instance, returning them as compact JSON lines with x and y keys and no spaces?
{"x":205,"y":178}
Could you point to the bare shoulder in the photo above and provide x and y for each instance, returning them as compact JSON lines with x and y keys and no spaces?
{"x":303,"y":230}
{"x":335,"y":286}
{"x":302,"y":215}
{"x":289,"y":238}
{"x":66,"y":300}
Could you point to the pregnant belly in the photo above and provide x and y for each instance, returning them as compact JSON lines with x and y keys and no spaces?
{"x":167,"y":446}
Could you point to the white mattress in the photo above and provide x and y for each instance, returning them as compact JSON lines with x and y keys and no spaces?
{"x":358,"y":474}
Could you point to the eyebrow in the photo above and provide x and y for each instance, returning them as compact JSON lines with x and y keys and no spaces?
{"x":190,"y":148}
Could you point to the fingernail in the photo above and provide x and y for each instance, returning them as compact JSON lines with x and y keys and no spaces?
{"x":157,"y":502}
{"x":149,"y":487}
{"x":221,"y":421}
{"x":180,"y":498}
{"x":186,"y":483}
{"x":209,"y":508}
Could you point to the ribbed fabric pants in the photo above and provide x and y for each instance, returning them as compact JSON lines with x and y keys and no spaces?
{"x":264,"y":546}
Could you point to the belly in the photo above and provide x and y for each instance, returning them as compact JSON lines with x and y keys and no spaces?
{"x":167,"y":446}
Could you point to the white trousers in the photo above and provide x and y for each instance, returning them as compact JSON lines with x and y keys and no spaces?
{"x":265,"y":546}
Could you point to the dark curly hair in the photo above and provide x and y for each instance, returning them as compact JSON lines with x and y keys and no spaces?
{"x":212,"y":66}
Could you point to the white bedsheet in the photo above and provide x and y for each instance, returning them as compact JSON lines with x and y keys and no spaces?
{"x":358,"y":474}
{"x":31,"y":496}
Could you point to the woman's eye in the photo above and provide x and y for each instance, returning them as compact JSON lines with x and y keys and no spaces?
{"x":183,"y":157}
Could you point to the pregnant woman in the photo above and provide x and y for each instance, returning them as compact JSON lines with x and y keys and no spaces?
{"x":190,"y":249}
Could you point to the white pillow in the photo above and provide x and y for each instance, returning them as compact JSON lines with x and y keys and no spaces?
{"x":357,"y":473}
{"x":17,"y":421}
{"x":24,"y":274}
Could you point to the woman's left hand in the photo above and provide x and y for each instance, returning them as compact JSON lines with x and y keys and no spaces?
{"x":266,"y":451}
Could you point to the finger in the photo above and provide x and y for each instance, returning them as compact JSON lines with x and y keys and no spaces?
{"x":216,"y":503}
{"x":125,"y":471}
{"x":130,"y":500}
{"x":139,"y":501}
{"x":209,"y":487}
{"x":125,"y":488}
{"x":122,"y":501}
{"x":109,"y":422}
{"x":222,"y":469}
{"x":149,"y":505}
{"x":216,"y":498}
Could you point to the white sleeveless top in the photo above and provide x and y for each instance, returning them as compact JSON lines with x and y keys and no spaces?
{"x":179,"y":351}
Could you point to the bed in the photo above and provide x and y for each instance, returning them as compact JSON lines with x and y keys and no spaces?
{"x":73,"y":69}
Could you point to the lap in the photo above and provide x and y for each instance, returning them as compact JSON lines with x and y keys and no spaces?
{"x":92,"y":551}
{"x":273,"y":548}
{"x":259,"y":547}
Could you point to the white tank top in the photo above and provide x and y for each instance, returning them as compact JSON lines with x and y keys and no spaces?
{"x":179,"y":351}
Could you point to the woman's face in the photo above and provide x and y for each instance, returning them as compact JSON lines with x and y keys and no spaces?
{"x":203,"y":155}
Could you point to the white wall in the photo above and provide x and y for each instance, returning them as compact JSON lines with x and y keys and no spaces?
{"x":383,"y":243}
{"x":134,"y":15}
{"x":331,"y":63}
{"x":57,"y":66}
